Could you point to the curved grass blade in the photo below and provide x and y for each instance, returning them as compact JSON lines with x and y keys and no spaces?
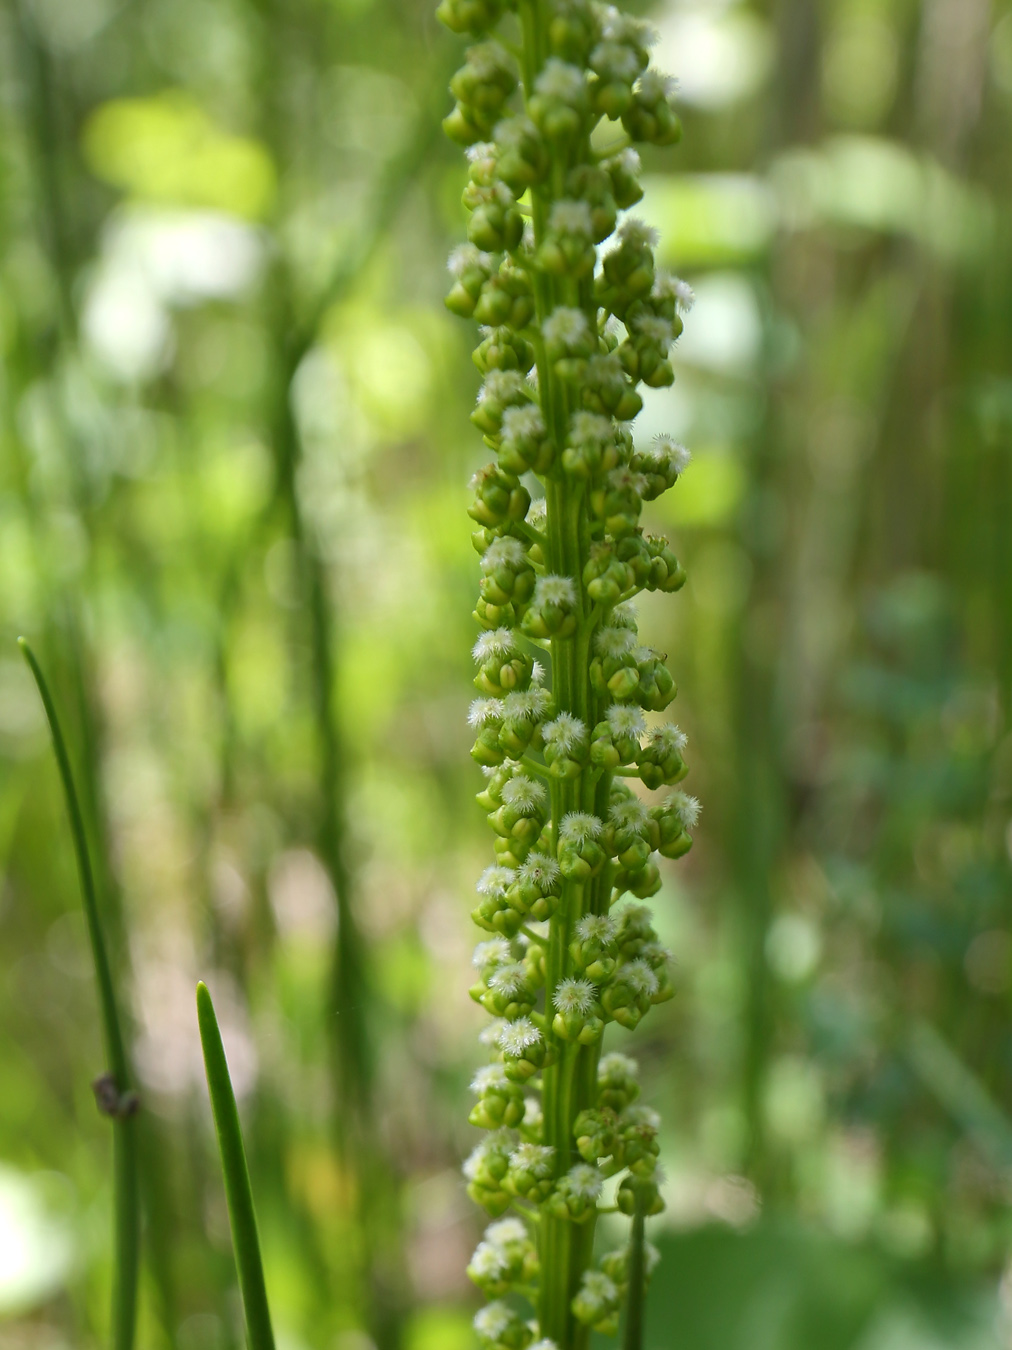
{"x":238,"y":1193}
{"x":113,"y":1090}
{"x":633,"y":1338}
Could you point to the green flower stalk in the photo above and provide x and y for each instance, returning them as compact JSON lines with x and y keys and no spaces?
{"x":570,"y":700}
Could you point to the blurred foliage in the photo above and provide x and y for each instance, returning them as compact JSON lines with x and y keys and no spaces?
{"x":233,"y":475}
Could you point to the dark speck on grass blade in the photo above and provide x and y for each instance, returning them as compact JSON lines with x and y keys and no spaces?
{"x":238,"y":1193}
{"x":113,"y":1091}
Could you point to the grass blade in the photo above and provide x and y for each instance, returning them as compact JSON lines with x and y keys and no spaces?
{"x":113,"y":1090}
{"x":238,"y":1193}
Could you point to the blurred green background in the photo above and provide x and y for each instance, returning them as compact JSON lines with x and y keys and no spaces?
{"x":235,"y":448}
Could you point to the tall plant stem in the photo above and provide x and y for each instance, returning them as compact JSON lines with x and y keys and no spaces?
{"x":633,"y":1336}
{"x":125,"y":1185}
{"x":238,"y":1192}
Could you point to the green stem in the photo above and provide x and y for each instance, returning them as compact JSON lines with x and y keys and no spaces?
{"x":121,"y":1102}
{"x":633,"y":1338}
{"x":238,"y":1193}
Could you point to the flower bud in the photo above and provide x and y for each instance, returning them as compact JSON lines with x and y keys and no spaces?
{"x":628,"y":996}
{"x":485,"y":715}
{"x":674,"y":819}
{"x":617,"y":68}
{"x":568,"y":246}
{"x":500,"y":1327}
{"x":625,"y":833}
{"x":666,"y":572}
{"x":521,"y":717}
{"x":571,"y":30}
{"x":656,"y":686}
{"x":502,"y":389}
{"x":481,"y":87}
{"x":616,"y":740}
{"x":523,"y":157}
{"x":616,"y":1082}
{"x":552,"y":610}
{"x":638,"y":1127}
{"x":644,"y":355}
{"x":593,"y":947}
{"x":525,"y":443}
{"x":502,"y":666}
{"x":661,"y":465}
{"x":660,"y":760}
{"x":520,"y":818}
{"x":614,"y":672}
{"x":618,"y":502}
{"x":531,"y":1173}
{"x":575,"y":1195}
{"x":577,"y":1016}
{"x":499,"y":497}
{"x":496,"y":223}
{"x":470,"y":269}
{"x":592,"y":446}
{"x":608,"y":390}
{"x":504,"y":1258}
{"x":469,"y":16}
{"x":500,"y":1102}
{"x":485,"y":1169}
{"x":650,"y":118}
{"x":592,"y":185}
{"x":568,"y":341}
{"x":506,"y":992}
{"x":535,"y":891}
{"x":566,"y":746}
{"x":579,"y":853}
{"x":606,"y":577}
{"x":596,"y":1134}
{"x":628,"y":270}
{"x":493,"y":912}
{"x":597,"y":1303}
{"x":502,"y":349}
{"x":624,"y":170}
{"x":635,"y":1190}
{"x":506,"y":298}
{"x":523,"y":1050}
{"x":507,"y":580}
{"x":559,"y":105}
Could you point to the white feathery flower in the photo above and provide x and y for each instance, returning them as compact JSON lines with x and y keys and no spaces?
{"x":571,"y":217}
{"x":669,"y":737}
{"x":526,"y":705}
{"x":493,"y":1321}
{"x":624,"y":615}
{"x":654,"y":327}
{"x":538,"y":871}
{"x":494,"y":952}
{"x":617,"y":1065}
{"x":489,"y":1034}
{"x":673,"y":452}
{"x":537,"y":673}
{"x":638,"y":233}
{"x":484,"y":711}
{"x":488,"y":1078}
{"x":501,"y":386}
{"x":566,"y":327}
{"x":532,"y":1113}
{"x":625,"y":719}
{"x":466,"y":256}
{"x":516,"y":1037}
{"x":504,"y":551}
{"x":613,"y":643}
{"x":643,"y":654}
{"x":480,"y":150}
{"x":554,"y":590}
{"x":622,"y":62}
{"x":599,"y":1288}
{"x":500,"y":642}
{"x":566,"y":733}
{"x":523,"y":794}
{"x":507,"y":1232}
{"x":629,"y":162}
{"x":638,"y":976}
{"x":585,"y":1181}
{"x":495,"y":880}
{"x":642,"y":1116}
{"x":508,"y":980}
{"x":587,"y":428}
{"x":685,"y":296}
{"x":686,"y":808}
{"x":655,"y":955}
{"x":492,"y":1143}
{"x":534,"y":1158}
{"x":576,"y":827}
{"x":655,"y":87}
{"x":574,"y":996}
{"x":560,"y":80}
{"x":488,"y":1262}
{"x":596,"y":928}
{"x":538,"y":513}
{"x":523,"y":424}
{"x":630,"y":814}
{"x":617,"y":26}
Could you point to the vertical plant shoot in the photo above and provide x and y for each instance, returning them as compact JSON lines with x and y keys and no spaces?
{"x":575,"y":316}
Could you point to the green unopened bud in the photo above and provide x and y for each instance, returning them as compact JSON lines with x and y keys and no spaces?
{"x":608,"y":390}
{"x":499,"y":497}
{"x":566,"y":745}
{"x":580,"y":854}
{"x":606,"y":576}
{"x":502,"y":349}
{"x":577,"y":1016}
{"x":628,"y":270}
{"x":593,"y":186}
{"x":523,"y":157}
{"x":485,"y":1170}
{"x":616,"y":1082}
{"x":614,"y":672}
{"x":560,"y":105}
{"x":503,"y":666}
{"x":644,"y":355}
{"x":618,"y":501}
{"x":638,"y":1126}
{"x":624,"y":170}
{"x":597,"y":1303}
{"x":493,"y":912}
{"x":575,"y":1195}
{"x":592,"y":446}
{"x":666,"y":572}
{"x":500,"y":1327}
{"x":596,"y":1134}
{"x":485,"y":716}
{"x":628,"y":995}
{"x":674,"y":819}
{"x":496,"y":223}
{"x":593,"y":947}
{"x":506,"y":298}
{"x":656,"y":686}
{"x":504,"y":1258}
{"x":617,"y":68}
{"x":571,"y":30}
{"x":532,"y":1171}
{"x":470,"y":269}
{"x":500,"y":1103}
{"x":525,"y":443}
{"x":552,"y":610}
{"x":625,"y":833}
{"x":522,"y":716}
{"x":616,"y":1264}
{"x":502,"y":389}
{"x":470,"y":16}
{"x":507,"y":581}
{"x":640,"y":1191}
{"x":523,"y":1050}
{"x":650,"y":118}
{"x":643,"y":881}
{"x":535,"y":891}
{"x":568,"y":247}
{"x":660,"y":761}
{"x":481,"y":88}
{"x":661,"y":465}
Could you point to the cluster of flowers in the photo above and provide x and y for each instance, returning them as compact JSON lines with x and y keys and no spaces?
{"x":568,"y":335}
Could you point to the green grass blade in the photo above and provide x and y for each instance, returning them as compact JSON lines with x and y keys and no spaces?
{"x":633,"y":1338}
{"x":238,"y":1193}
{"x":113,"y":1091}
